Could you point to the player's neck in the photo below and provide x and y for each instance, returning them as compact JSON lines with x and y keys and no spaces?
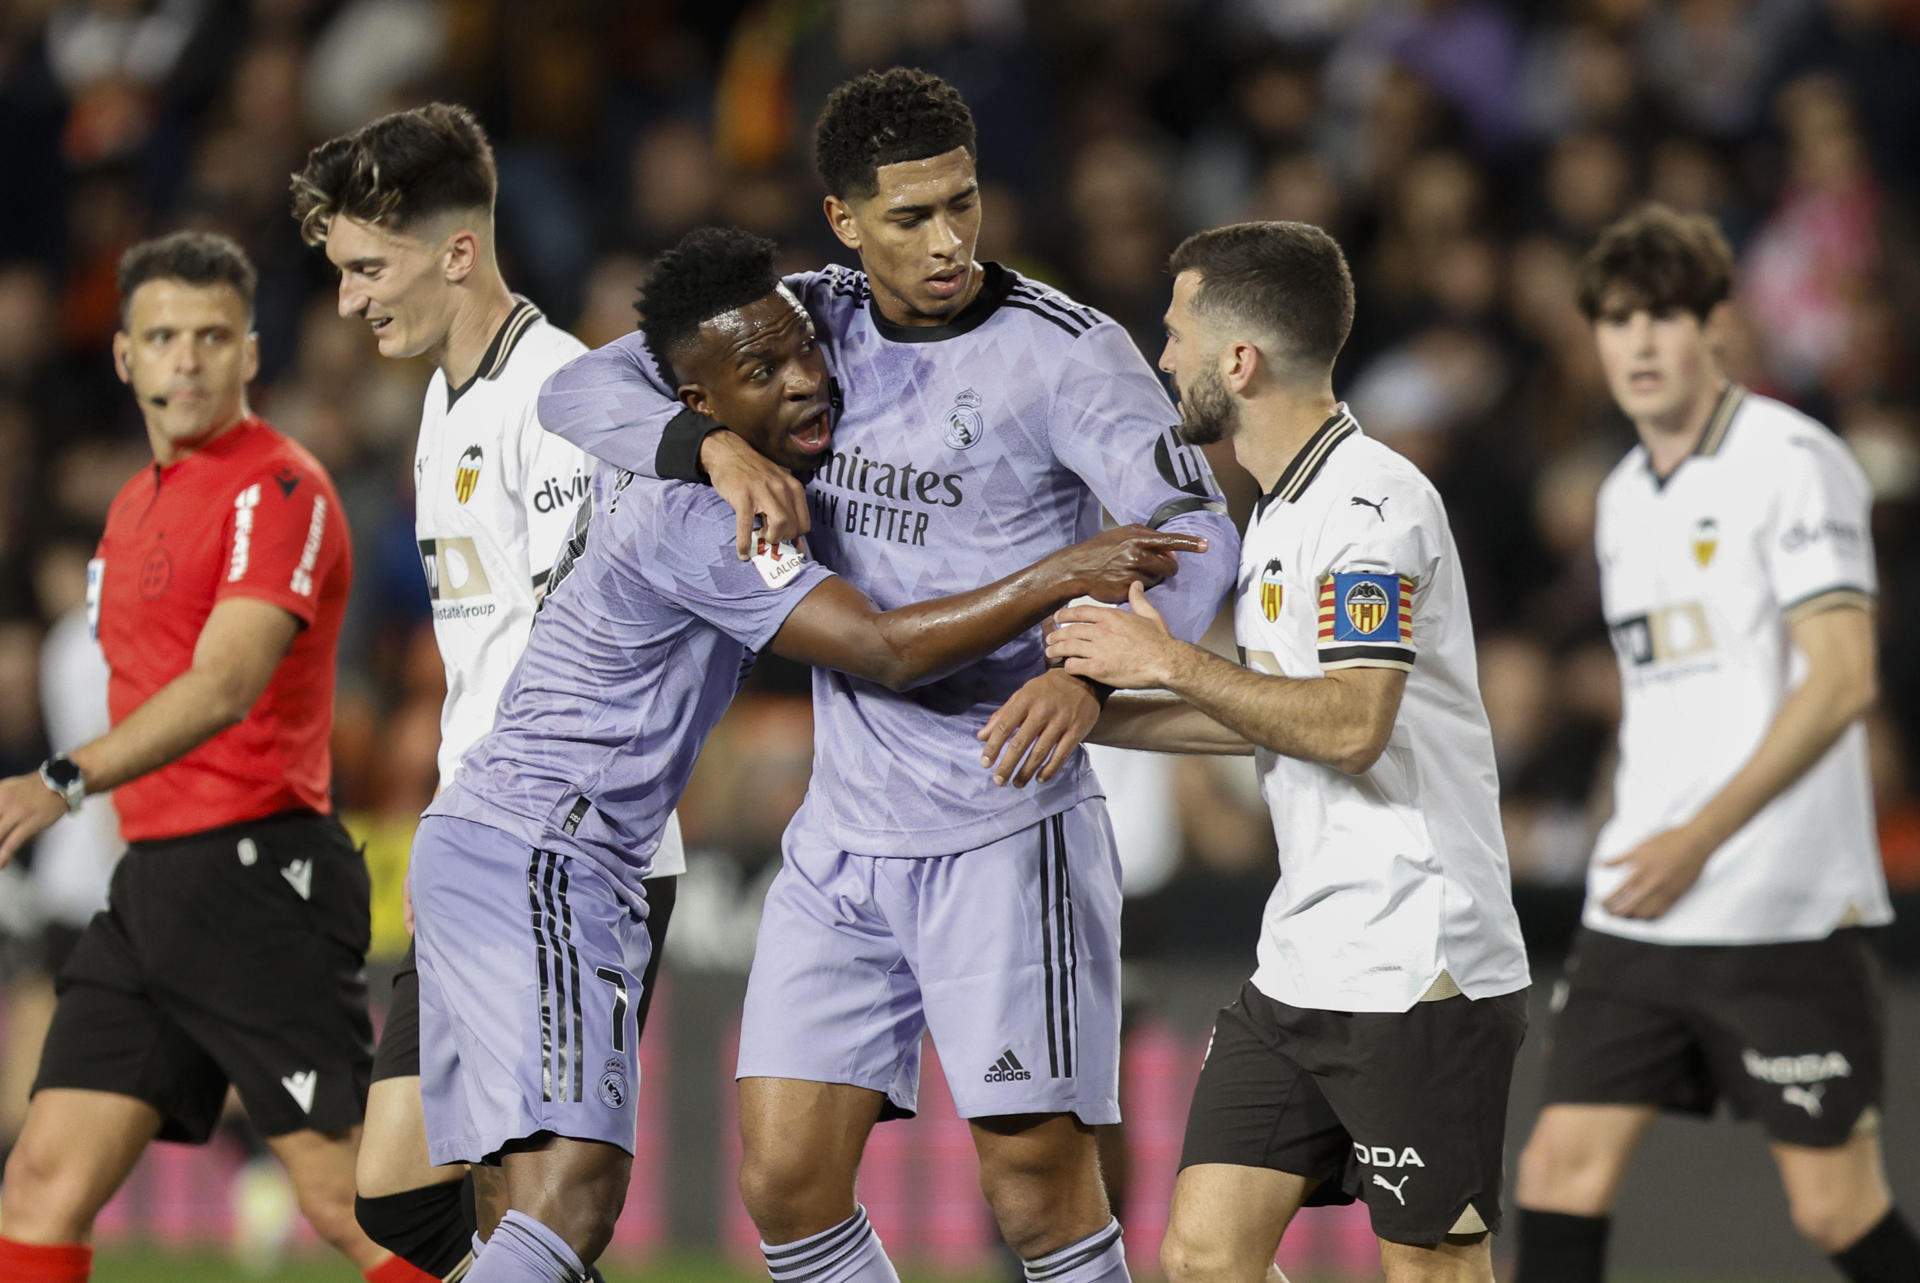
{"x":476,"y":319}
{"x":1670,"y":438}
{"x":167,"y":451}
{"x":894,"y":309}
{"x":1276,"y":427}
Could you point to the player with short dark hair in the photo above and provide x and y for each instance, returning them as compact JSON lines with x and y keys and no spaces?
{"x":233,"y":946}
{"x":403,"y":207}
{"x":988,"y":418}
{"x":1723,"y":952}
{"x":884,"y":118}
{"x":1369,"y":1055}
{"x":529,"y":868}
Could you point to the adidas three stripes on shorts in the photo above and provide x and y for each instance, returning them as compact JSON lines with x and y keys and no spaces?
{"x":530,"y":973}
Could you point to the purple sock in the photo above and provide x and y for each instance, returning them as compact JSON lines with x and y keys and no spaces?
{"x":850,"y":1252}
{"x":1100,"y":1257}
{"x":522,"y":1250}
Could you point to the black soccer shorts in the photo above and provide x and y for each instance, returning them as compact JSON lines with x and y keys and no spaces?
{"x":1406,"y":1110}
{"x":234,"y":956}
{"x":1791,"y":1034}
{"x":399,"y":1052}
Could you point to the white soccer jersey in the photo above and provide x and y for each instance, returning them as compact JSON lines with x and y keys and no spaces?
{"x":494,"y":497}
{"x":1393,"y":883}
{"x":1700,"y":578}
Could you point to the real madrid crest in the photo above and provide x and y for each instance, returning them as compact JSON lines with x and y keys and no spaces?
{"x":965,"y":427}
{"x":1706,"y":538}
{"x":467,"y":474}
{"x":1272,"y":590}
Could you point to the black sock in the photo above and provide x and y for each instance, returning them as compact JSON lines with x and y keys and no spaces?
{"x":430,"y":1228}
{"x":1887,"y":1253}
{"x":1557,"y":1248}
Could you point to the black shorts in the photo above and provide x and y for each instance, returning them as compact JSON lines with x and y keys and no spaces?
{"x":399,"y":1052}
{"x":1405,"y":1109}
{"x":234,"y":956}
{"x":1790,"y":1034}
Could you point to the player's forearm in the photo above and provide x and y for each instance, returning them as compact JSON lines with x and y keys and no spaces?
{"x":604,"y":402}
{"x":1161,"y":722}
{"x":1808,"y":723}
{"x":182,"y":715}
{"x":1190,"y":601}
{"x":1313,"y":720}
{"x":931,"y":639}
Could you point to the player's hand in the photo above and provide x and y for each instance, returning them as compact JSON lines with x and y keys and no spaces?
{"x":1659,"y":871}
{"x":754,"y":486}
{"x":1131,"y":650}
{"x":1035,"y":732}
{"x":27,"y":807}
{"x":1109,"y":564}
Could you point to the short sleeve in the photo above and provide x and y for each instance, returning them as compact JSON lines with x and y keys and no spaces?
{"x":284,"y":538}
{"x":1379,"y":553}
{"x":694,"y":564}
{"x":1819,"y":550}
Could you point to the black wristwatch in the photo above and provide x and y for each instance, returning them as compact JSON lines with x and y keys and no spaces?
{"x":64,"y":778}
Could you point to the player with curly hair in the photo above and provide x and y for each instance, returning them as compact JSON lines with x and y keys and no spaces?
{"x":529,"y":870}
{"x":988,"y":420}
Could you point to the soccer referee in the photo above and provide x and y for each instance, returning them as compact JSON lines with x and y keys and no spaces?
{"x":232,"y":946}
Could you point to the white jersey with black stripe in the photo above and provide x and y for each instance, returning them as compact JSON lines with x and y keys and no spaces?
{"x":494,"y":499}
{"x":1393,"y":883}
{"x":1702,"y":575}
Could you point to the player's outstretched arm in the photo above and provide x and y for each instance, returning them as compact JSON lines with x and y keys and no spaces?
{"x":837,"y":627}
{"x":611,"y":403}
{"x":1162,"y":722}
{"x":1342,"y":719}
{"x":240,"y":645}
{"x":1839,"y":688}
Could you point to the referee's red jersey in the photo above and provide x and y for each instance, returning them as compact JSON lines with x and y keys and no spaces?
{"x":250,"y":514}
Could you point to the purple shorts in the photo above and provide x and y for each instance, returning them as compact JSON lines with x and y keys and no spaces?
{"x":1009,"y":955}
{"x":530,"y":967}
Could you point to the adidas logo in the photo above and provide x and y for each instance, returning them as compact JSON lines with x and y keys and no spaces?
{"x":1007,"y":1069}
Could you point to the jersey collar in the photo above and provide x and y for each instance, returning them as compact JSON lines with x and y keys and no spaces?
{"x":232,"y":441}
{"x":505,"y":339}
{"x":1719,"y":423}
{"x":993,"y":292}
{"x":1306,"y":465}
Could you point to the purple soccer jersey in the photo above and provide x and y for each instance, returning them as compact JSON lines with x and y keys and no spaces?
{"x":633,"y":658}
{"x":963,"y":453}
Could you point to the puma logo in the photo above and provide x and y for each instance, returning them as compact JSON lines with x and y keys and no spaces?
{"x":1808,"y":1098}
{"x":1391,"y":1188}
{"x":1379,"y":509}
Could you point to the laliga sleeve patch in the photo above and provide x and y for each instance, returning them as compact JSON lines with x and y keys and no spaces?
{"x":779,"y":563}
{"x":1366,"y":620}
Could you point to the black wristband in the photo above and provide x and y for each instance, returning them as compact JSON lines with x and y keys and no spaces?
{"x":678,"y":458}
{"x":1101,"y":691}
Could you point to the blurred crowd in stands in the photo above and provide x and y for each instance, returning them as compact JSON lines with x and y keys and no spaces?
{"x":1464,"y":152}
